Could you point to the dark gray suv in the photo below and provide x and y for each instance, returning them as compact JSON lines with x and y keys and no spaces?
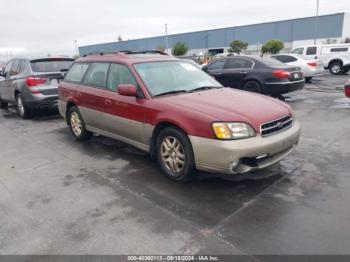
{"x":32,"y":84}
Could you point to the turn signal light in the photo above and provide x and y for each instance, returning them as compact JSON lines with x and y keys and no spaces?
{"x":222,"y":131}
{"x":34,"y":81}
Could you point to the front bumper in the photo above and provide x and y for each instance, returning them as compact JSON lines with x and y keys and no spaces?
{"x":241,"y":156}
{"x":279,"y":88}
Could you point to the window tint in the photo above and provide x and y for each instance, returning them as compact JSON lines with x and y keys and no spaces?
{"x":119,"y":74}
{"x":14,"y":68}
{"x":233,"y":63}
{"x":340,"y":49}
{"x":298,"y":51}
{"x":217,"y":65}
{"x":97,"y":75}
{"x":285,"y":58}
{"x":311,"y":50}
{"x":76,"y":73}
{"x":51,"y":65}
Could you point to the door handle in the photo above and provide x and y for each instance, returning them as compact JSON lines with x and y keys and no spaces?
{"x":108,"y":102}
{"x":243,"y":72}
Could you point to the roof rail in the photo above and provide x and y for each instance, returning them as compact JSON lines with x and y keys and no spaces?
{"x":128,"y":52}
{"x":135,"y":52}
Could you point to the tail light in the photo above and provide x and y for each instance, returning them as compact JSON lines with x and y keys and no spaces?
{"x":281,"y":74}
{"x":313,"y":64}
{"x":347,"y":90}
{"x":35,"y":81}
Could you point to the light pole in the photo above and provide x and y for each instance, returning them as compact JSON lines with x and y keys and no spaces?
{"x":76,"y":48}
{"x":316,"y":21}
{"x":166,"y":38}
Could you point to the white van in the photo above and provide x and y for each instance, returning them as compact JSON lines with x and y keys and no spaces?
{"x":335,"y":57}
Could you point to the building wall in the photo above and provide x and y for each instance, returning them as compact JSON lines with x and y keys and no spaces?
{"x":289,"y":31}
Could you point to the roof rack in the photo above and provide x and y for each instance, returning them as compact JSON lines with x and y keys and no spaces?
{"x":128,"y":52}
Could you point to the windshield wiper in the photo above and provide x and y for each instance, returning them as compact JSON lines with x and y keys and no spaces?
{"x":205,"y":88}
{"x":172,"y":92}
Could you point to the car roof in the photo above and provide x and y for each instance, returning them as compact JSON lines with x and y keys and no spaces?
{"x":128,"y":57}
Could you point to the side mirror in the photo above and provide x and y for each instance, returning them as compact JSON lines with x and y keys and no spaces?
{"x":205,"y":68}
{"x":127,"y":90}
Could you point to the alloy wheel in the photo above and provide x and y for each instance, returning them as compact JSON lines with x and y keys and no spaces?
{"x":172,"y":154}
{"x":20,"y":106}
{"x":336,"y":68}
{"x":75,"y":123}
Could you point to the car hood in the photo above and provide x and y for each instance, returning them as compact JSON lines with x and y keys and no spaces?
{"x":228,"y":104}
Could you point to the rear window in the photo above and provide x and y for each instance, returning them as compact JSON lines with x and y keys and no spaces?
{"x":271,"y":62}
{"x":46,"y":65}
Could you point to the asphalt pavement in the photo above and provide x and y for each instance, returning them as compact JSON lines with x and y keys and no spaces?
{"x":58,"y":196}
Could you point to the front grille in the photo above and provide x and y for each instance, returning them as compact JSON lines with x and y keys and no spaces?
{"x":49,"y":92}
{"x":276,"y":126}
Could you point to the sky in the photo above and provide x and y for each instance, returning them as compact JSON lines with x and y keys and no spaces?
{"x":41,"y":27}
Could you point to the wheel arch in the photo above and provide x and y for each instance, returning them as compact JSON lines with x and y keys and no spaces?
{"x":69,"y":105}
{"x":161,"y":125}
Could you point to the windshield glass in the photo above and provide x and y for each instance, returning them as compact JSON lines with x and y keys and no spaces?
{"x":172,"y":76}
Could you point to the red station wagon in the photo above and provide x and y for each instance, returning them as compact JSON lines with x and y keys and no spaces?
{"x":176,"y":112}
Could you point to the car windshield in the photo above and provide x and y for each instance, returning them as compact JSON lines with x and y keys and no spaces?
{"x":173,"y":77}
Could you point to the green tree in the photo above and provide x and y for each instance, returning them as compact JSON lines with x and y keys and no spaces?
{"x":237,"y":46}
{"x":161,"y":48}
{"x":273,"y":46}
{"x":179,"y":49}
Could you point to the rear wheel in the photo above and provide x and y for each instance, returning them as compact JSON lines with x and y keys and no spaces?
{"x":336,"y":68}
{"x":175,"y":154}
{"x":77,"y":125}
{"x":22,"y":107}
{"x":308,"y":79}
{"x":3,"y":105}
{"x":252,"y":86}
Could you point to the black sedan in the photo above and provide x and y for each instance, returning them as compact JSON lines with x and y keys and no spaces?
{"x":256,"y":74}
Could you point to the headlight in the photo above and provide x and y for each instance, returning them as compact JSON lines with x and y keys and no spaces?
{"x":232,"y":130}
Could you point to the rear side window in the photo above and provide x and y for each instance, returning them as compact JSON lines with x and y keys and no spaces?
{"x":76,"y":73}
{"x":311,"y":50}
{"x":298,"y":51}
{"x":50,"y":65}
{"x":15,"y":68}
{"x":233,"y":63}
{"x":8,"y":67}
{"x":97,"y":75}
{"x":339,"y":49}
{"x":217,"y":65}
{"x":271,"y":62}
{"x":119,"y":74}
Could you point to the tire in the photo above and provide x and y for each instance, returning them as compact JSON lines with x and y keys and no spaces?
{"x":336,"y":68}
{"x":77,"y":125}
{"x":22,"y":107}
{"x":345,"y":71}
{"x":175,"y":155}
{"x":308,"y":79}
{"x":3,"y":105}
{"x":252,"y":86}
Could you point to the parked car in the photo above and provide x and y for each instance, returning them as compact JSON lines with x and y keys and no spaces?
{"x":310,"y":68}
{"x":176,"y":112}
{"x":335,"y":57}
{"x":347,"y":89}
{"x":32,"y":84}
{"x":256,"y":74}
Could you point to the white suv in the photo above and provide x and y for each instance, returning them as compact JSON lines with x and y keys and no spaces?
{"x":334,"y":57}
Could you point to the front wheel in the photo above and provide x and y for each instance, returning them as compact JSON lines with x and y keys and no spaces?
{"x":336,"y":68}
{"x":77,"y":125}
{"x":175,"y":155}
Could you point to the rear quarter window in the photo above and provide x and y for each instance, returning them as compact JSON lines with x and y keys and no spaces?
{"x":76,"y":72}
{"x":47,"y":65}
{"x":271,"y":62}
